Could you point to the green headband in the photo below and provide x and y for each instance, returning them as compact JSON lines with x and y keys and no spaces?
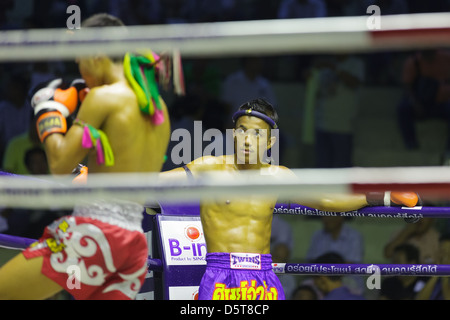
{"x":141,"y":75}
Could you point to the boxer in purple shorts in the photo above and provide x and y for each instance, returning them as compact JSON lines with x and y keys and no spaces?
{"x":240,"y":276}
{"x":237,"y":229}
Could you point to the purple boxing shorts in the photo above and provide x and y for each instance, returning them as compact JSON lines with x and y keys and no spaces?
{"x":240,"y":276}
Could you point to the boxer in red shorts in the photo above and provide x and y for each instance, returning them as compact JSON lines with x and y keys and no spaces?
{"x":99,"y":252}
{"x":102,"y":244}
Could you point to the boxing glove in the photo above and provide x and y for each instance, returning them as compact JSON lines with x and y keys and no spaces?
{"x":82,"y":89}
{"x":53,"y":103}
{"x":394,"y":198}
{"x":81,"y":174}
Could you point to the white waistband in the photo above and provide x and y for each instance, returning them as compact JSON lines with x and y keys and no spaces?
{"x":127,"y":215}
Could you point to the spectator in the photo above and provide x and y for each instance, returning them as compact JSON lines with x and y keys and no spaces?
{"x":438,"y":288}
{"x":403,"y":287}
{"x":336,"y":108}
{"x":332,"y":286}
{"x":381,"y":65}
{"x":336,"y":236}
{"x":36,"y":161}
{"x":426,"y":77}
{"x":184,"y":112}
{"x":305,"y":292}
{"x":202,"y":78}
{"x":339,"y":237}
{"x":422,"y":234}
{"x":203,"y":82}
{"x":246,"y":84}
{"x":16,"y":148}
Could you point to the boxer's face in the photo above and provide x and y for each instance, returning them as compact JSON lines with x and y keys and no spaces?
{"x":251,"y":139}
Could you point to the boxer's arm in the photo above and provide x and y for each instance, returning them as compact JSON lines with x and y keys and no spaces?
{"x":198,"y":165}
{"x":65,"y":152}
{"x":174,"y":175}
{"x":336,"y":202}
{"x":348,"y":202}
{"x":322,"y":201}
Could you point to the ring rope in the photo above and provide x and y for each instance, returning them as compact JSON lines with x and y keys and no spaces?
{"x":362,"y":269}
{"x":432,"y":183}
{"x":417,"y":212}
{"x":15,"y":242}
{"x":20,"y":243}
{"x":269,"y":37}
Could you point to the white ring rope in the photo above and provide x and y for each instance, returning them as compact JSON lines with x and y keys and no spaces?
{"x":221,"y":39}
{"x":59,"y":192}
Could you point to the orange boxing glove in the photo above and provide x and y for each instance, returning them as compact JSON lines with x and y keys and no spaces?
{"x":408,"y":199}
{"x":394,"y":198}
{"x":81,"y":173}
{"x":53,"y":102}
{"x":81,"y":87}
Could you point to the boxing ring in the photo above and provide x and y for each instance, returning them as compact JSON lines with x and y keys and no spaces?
{"x":177,"y":248}
{"x":176,"y":260}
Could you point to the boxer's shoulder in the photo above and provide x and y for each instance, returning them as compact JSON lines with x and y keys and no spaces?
{"x":108,"y":99}
{"x":208,"y":163}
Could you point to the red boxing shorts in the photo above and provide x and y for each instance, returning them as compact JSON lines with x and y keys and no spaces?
{"x":96,"y":254}
{"x":240,"y":276}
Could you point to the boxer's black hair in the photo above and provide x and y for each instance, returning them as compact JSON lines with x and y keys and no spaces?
{"x":102,"y":20}
{"x":263,"y":106}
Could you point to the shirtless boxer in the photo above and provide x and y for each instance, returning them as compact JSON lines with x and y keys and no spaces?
{"x":103,"y":241}
{"x":237,"y":231}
